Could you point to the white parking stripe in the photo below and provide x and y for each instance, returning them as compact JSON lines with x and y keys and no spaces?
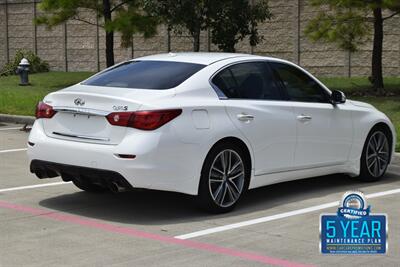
{"x":276,"y":216}
{"x":13,"y":128}
{"x":13,"y":150}
{"x":383,"y":193}
{"x":32,"y":186}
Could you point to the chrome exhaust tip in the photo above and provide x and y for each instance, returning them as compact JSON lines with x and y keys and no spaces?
{"x":116,"y":188}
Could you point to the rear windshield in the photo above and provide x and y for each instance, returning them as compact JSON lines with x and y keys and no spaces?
{"x":146,"y":75}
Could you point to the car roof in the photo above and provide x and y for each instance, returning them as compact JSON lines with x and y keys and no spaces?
{"x":195,"y":57}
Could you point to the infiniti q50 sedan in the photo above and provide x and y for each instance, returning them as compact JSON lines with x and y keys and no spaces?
{"x":212,"y":125}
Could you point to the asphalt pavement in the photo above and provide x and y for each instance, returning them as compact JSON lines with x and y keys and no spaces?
{"x":50,"y":223}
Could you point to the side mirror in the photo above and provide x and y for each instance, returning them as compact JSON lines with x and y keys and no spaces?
{"x":338,"y":97}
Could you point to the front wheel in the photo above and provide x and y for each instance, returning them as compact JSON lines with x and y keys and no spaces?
{"x":375,"y":157}
{"x":224,"y":178}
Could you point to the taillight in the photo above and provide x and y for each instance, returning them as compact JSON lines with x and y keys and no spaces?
{"x":44,"y":111}
{"x":143,"y":120}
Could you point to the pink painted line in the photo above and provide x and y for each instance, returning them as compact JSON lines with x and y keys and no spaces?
{"x":141,"y":234}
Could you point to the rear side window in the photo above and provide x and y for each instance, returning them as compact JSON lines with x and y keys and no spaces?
{"x":146,"y":75}
{"x":250,"y":80}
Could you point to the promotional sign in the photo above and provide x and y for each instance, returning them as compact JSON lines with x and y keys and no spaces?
{"x":353,"y":229}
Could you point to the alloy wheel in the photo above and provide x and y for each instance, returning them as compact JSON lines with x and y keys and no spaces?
{"x":377,"y":156}
{"x":226,"y":178}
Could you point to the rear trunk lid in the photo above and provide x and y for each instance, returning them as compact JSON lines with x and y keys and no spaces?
{"x":82,"y":110}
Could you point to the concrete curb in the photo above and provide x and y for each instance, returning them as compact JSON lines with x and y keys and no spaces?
{"x":17,"y":119}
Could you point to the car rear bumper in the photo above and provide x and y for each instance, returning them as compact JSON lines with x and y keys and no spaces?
{"x":160,"y":163}
{"x":47,"y":169}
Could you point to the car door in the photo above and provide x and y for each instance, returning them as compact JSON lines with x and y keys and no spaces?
{"x":257,"y":108}
{"x":324,"y":131}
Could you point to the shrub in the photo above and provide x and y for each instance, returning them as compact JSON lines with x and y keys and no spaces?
{"x":36,"y":63}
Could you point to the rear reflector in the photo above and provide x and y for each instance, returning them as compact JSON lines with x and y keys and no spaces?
{"x":44,"y":111}
{"x":143,"y":120}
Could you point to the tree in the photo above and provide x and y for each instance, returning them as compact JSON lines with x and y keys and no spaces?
{"x":347,"y":23}
{"x":192,"y":15}
{"x":125,"y":16}
{"x":232,"y":20}
{"x":228,"y":20}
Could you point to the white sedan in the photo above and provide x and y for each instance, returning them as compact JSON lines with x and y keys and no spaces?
{"x":211,"y":125}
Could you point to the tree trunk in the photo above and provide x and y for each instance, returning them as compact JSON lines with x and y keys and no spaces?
{"x":109,"y":34}
{"x":196,"y":41}
{"x":230,"y":46}
{"x":377,"y":73}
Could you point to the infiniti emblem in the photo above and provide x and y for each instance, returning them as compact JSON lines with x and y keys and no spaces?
{"x":79,"y":102}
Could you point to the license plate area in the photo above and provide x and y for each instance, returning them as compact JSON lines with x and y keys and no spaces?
{"x":83,"y":128}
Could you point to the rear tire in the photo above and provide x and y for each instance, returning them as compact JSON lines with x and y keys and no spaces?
{"x":89,"y":187}
{"x":376,"y":155}
{"x":224,"y":178}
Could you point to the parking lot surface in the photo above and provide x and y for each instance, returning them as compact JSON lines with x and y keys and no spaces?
{"x":50,"y":223}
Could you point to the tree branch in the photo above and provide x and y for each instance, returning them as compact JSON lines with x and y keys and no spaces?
{"x":391,"y":16}
{"x":119,"y":5}
{"x":335,"y":22}
{"x":86,"y":21}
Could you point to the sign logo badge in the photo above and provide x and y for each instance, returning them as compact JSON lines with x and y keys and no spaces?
{"x":117,"y":108}
{"x":353,"y":229}
{"x":79,"y":102}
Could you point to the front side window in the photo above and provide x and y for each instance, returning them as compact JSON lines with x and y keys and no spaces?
{"x":250,"y":80}
{"x":299,"y":86}
{"x":146,"y":75}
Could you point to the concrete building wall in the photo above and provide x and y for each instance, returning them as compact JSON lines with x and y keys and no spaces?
{"x":78,"y":46}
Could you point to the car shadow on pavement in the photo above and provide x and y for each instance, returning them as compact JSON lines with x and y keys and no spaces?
{"x":147,"y":207}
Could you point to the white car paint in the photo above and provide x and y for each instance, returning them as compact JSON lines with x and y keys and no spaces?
{"x":282,"y":145}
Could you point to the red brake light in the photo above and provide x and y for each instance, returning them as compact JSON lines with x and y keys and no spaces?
{"x":44,"y":111}
{"x":143,"y":120}
{"x":119,"y":118}
{"x":151,"y":120}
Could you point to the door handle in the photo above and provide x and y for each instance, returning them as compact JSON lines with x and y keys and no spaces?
{"x":304,"y":118}
{"x":245,"y":117}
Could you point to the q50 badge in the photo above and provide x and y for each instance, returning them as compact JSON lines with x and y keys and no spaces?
{"x":353,"y":229}
{"x":119,"y":108}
